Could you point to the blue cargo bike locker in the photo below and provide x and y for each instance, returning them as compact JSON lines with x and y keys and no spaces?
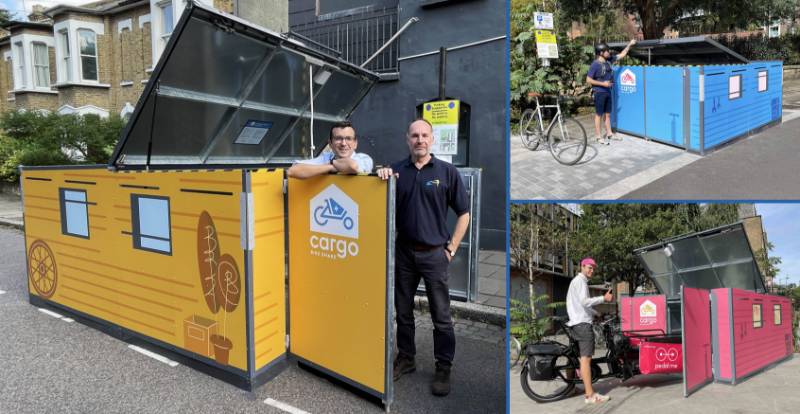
{"x":694,"y":93}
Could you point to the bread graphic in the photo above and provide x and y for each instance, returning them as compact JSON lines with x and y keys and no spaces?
{"x":229,"y":283}
{"x":208,"y":261}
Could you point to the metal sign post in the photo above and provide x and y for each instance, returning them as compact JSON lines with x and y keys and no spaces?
{"x":546,"y":47}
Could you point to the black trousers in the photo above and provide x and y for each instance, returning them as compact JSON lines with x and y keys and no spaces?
{"x":431,"y":267}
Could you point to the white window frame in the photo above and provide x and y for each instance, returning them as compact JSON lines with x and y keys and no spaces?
{"x":141,"y":239}
{"x":734,"y":93}
{"x":66,"y":54}
{"x":766,"y":80}
{"x":156,"y":19}
{"x":81,"y":55}
{"x":46,"y":65}
{"x":162,"y":8}
{"x":79,"y":214}
{"x":72,"y":66}
{"x":20,"y":80}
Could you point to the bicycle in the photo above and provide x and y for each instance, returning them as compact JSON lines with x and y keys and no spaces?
{"x":515,"y":351}
{"x":567,"y":142}
{"x":551,"y":369}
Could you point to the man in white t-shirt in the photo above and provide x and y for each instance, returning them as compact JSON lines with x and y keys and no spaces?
{"x":579,"y":309}
{"x":343,"y":159}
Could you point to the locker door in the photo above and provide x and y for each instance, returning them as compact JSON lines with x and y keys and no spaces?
{"x":341,"y":278}
{"x":664,"y":102}
{"x":696,"y":321}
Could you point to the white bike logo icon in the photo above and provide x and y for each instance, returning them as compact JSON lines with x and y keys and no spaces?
{"x":332,"y":211}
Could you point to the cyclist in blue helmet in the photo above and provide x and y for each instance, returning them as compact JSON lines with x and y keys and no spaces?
{"x":601,"y":77}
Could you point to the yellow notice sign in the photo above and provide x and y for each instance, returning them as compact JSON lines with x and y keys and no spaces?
{"x":338,"y":276}
{"x":546,"y":47}
{"x":443,"y":116}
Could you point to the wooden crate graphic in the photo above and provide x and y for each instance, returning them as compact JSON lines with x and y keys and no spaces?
{"x":197,"y":332}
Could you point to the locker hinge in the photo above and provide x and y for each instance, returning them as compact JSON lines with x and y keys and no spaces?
{"x":287,"y":341}
{"x":285,"y":185}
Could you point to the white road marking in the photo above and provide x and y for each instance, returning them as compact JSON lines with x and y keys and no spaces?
{"x":68,"y":320}
{"x":154,"y":355}
{"x":51,"y":313}
{"x":2,"y":292}
{"x":284,"y":407}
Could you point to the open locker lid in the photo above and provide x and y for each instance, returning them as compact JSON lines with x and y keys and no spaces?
{"x":710,"y":259}
{"x":696,"y":50}
{"x":228,"y":93}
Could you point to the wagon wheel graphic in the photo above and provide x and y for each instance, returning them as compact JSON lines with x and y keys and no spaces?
{"x":42,"y":269}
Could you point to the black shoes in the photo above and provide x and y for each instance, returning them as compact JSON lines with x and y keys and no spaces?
{"x":441,"y":381}
{"x":403,"y":365}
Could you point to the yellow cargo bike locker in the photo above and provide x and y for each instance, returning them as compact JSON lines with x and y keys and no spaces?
{"x":193,"y":240}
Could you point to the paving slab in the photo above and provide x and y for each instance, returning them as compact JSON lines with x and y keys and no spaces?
{"x":605,"y":172}
{"x":772,"y":391}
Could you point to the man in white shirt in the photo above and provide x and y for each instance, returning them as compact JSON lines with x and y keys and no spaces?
{"x":343,"y":159}
{"x":579,"y":309}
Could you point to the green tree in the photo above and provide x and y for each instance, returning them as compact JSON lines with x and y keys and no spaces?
{"x":537,"y":241}
{"x":611,"y":232}
{"x":35,"y":138}
{"x":766,"y":263}
{"x":565,"y":75}
{"x":5,"y":17}
{"x":655,"y":15}
{"x":531,"y":324}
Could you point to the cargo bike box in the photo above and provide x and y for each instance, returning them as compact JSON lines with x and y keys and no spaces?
{"x":713,"y":298}
{"x":695,"y":93}
{"x":193,"y":240}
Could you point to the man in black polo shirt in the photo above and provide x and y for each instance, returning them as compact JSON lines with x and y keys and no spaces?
{"x":426,"y":187}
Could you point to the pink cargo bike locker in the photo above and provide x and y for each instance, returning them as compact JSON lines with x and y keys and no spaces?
{"x":706,"y":280}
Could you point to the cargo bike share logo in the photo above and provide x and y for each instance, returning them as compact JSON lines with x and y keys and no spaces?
{"x":666,"y":358}
{"x":334,"y":224}
{"x":627,"y":81}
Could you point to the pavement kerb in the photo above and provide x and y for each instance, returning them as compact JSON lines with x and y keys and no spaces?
{"x":12,"y":223}
{"x":470,"y":311}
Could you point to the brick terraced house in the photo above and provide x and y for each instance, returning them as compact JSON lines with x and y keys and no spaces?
{"x":96,"y":58}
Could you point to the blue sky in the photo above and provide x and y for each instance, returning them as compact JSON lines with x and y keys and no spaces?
{"x":782,"y":224}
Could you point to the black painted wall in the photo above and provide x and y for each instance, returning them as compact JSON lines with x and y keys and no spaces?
{"x":476,"y":75}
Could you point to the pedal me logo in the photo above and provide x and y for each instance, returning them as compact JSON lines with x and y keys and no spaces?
{"x":647,"y":313}
{"x":333,"y":213}
{"x":627,"y":81}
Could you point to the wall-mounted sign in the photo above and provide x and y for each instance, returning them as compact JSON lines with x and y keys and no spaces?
{"x":546,"y":47}
{"x":443,"y":116}
{"x":543,"y":20}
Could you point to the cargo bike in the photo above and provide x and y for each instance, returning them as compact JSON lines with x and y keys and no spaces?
{"x":711,"y":321}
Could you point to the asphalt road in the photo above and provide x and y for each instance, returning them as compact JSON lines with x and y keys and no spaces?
{"x":50,"y":365}
{"x":762,"y":166}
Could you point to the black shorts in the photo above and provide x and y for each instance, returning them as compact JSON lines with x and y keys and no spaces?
{"x":602,"y":103}
{"x":584,"y":334}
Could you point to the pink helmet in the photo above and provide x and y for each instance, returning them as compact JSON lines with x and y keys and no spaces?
{"x":588,"y":261}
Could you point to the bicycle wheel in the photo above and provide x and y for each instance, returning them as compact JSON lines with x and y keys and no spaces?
{"x":529,"y":132}
{"x":567,"y":140}
{"x":599,"y":337}
{"x":515,"y":351}
{"x":554,"y":389}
